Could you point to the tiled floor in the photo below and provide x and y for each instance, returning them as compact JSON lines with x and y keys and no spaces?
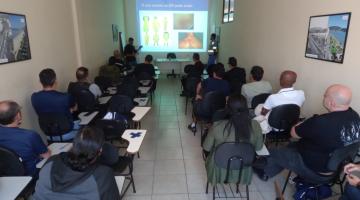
{"x":170,"y":166}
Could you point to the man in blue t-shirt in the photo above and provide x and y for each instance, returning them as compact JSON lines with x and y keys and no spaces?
{"x":25,"y":143}
{"x":214,"y":83}
{"x":49,"y":100}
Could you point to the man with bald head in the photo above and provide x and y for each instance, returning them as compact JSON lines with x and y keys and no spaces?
{"x":25,"y":143}
{"x":318,"y":137}
{"x":286,"y":95}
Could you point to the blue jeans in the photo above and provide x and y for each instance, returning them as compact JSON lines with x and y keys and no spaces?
{"x":350,"y":193}
{"x":68,"y":136}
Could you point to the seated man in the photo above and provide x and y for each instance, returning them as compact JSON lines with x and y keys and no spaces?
{"x":49,"y":100}
{"x":195,"y":70}
{"x":78,"y":174}
{"x":145,"y":67}
{"x":111,"y":72}
{"x":256,"y":86}
{"x":235,"y":73}
{"x":286,"y":95}
{"x":352,"y":188}
{"x":82,"y":76}
{"x":318,"y":136}
{"x":216,"y":83}
{"x":116,"y":59}
{"x":25,"y":143}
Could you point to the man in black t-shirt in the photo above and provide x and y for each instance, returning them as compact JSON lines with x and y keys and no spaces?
{"x":195,"y":70}
{"x":319,"y":136}
{"x":145,"y":67}
{"x":236,"y":76}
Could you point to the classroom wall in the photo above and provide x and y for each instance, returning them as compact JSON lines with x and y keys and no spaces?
{"x":95,"y":19}
{"x":273,"y":34}
{"x":52,"y":43}
{"x":63,"y":35}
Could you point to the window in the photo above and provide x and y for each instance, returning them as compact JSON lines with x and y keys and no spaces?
{"x":228,"y":13}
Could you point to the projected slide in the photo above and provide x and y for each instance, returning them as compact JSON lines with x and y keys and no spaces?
{"x":173,"y":25}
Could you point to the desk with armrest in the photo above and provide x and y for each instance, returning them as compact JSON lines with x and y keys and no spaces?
{"x":12,"y":187}
{"x":55,"y":148}
{"x":139,"y":112}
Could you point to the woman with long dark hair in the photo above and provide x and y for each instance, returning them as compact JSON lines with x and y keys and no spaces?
{"x":237,"y":125}
{"x":77,"y":174}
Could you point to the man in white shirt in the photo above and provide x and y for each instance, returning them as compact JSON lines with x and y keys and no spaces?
{"x":286,"y":95}
{"x":82,"y":76}
{"x":256,"y":86}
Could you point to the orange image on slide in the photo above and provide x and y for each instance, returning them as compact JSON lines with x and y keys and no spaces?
{"x":190,"y":40}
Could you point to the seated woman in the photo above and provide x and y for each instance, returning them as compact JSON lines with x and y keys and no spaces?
{"x":238,"y":124}
{"x":77,"y":174}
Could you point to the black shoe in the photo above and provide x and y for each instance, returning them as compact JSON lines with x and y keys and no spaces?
{"x":261,"y":174}
{"x":191,"y":128}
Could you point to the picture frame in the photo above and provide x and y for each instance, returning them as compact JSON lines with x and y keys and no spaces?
{"x":327,"y":37}
{"x":14,"y":38}
{"x":115,"y":32}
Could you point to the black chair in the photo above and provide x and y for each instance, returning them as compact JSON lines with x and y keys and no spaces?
{"x":123,"y":105}
{"x":55,"y":124}
{"x":259,"y":99}
{"x":113,"y":128}
{"x":337,"y":160}
{"x":144,"y":76}
{"x":125,"y":167}
{"x":282,"y":118}
{"x":171,"y":56}
{"x":190,"y":89}
{"x":10,"y":163}
{"x":235,"y":86}
{"x":233,"y":156}
{"x":129,"y":87}
{"x":85,"y":100}
{"x":103,"y":82}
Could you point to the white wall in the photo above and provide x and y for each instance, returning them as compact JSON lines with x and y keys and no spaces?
{"x":273,"y":34}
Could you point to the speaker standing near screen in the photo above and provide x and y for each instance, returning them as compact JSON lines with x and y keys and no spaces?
{"x":130,"y":52}
{"x":213,"y":49}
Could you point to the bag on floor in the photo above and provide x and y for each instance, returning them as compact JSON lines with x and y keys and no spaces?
{"x":306,"y":191}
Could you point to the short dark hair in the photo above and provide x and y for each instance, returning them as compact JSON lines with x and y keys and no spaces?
{"x":257,"y":73}
{"x":219,"y":70}
{"x":148,"y":58}
{"x":232,"y":61}
{"x":47,"y":77}
{"x":131,"y":39}
{"x":86,"y":148}
{"x":213,"y":36}
{"x":82,"y":73}
{"x":7,"y":115}
{"x":196,"y":56}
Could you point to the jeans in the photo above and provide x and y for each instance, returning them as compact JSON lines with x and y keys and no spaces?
{"x":289,"y":158}
{"x":68,"y":136}
{"x":350,"y":193}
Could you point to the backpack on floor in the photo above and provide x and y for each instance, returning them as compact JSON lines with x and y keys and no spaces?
{"x":306,"y":191}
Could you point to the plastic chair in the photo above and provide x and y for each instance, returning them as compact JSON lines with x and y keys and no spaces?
{"x":190,"y":89}
{"x":10,"y":163}
{"x":55,"y":124}
{"x":259,"y":99}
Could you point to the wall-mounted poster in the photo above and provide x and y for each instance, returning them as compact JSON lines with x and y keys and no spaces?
{"x":14,"y":39}
{"x":115,"y":32}
{"x":327,"y":36}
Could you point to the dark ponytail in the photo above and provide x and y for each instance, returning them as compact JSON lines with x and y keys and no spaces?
{"x":86,"y":148}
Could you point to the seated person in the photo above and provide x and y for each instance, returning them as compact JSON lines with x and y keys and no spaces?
{"x":318,"y":137}
{"x":116,"y":59}
{"x":82,"y":77}
{"x":25,"y":143}
{"x":78,"y":174}
{"x":49,"y":100}
{"x":286,"y":95}
{"x":256,"y":86}
{"x":211,"y":84}
{"x":145,"y":67}
{"x":227,"y":131}
{"x":352,"y":188}
{"x":111,"y":72}
{"x":195,"y":70}
{"x":235,"y":73}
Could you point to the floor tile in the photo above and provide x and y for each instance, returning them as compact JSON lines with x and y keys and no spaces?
{"x":169,"y":154}
{"x":171,"y":197}
{"x":196,"y":166}
{"x":143,"y":185}
{"x":170,"y":184}
{"x":165,"y":167}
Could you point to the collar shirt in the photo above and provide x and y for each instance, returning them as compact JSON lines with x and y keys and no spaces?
{"x":285,"y":96}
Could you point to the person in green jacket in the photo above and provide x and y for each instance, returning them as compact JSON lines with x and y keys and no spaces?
{"x":239,"y":122}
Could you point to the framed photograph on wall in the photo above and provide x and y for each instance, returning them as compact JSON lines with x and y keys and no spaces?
{"x":115,"y":32}
{"x":327,"y":35}
{"x":14,"y":38}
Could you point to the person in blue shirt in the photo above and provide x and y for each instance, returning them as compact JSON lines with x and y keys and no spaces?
{"x":25,"y":143}
{"x":49,"y":100}
{"x":214,"y":83}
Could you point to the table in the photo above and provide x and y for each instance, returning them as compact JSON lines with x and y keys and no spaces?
{"x":139,"y":112}
{"x":11,"y":187}
{"x":179,"y":61}
{"x":85,"y":120}
{"x":263,"y":151}
{"x":55,"y":149}
{"x":141,"y":101}
{"x":144,"y":90}
{"x":135,"y":138}
{"x":112,"y":90}
{"x":104,"y":100}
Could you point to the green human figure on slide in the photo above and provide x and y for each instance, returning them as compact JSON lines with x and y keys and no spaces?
{"x":166,"y":38}
{"x":166,"y":22}
{"x":156,"y":39}
{"x":146,"y":24}
{"x":156,"y":25}
{"x":147,"y":38}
